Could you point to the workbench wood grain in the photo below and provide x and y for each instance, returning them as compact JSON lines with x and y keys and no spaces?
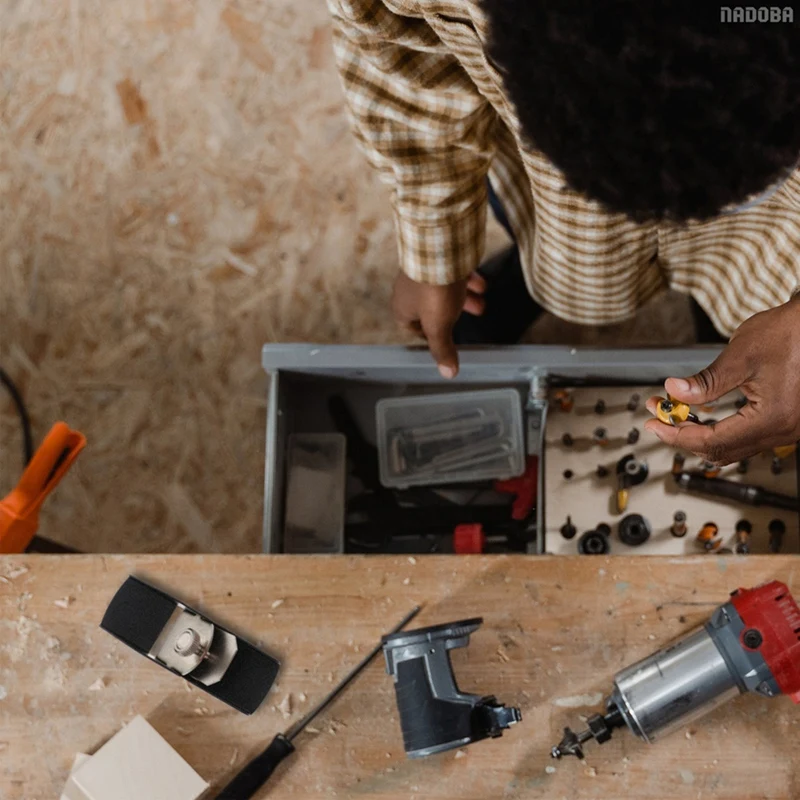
{"x":555,"y":631}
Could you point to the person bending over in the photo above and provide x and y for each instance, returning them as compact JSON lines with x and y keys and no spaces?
{"x":626,"y":147}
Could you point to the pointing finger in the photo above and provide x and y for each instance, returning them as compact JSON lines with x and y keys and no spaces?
{"x":442,"y":347}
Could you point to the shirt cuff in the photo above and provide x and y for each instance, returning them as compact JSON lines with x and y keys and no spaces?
{"x":445,"y":252}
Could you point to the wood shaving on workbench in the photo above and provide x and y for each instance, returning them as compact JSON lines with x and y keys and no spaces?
{"x":285,"y":706}
{"x":16,"y":572}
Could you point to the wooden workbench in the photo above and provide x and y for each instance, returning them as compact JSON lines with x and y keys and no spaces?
{"x":555,"y":631}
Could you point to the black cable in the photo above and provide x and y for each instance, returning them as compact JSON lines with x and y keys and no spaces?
{"x":25,"y":420}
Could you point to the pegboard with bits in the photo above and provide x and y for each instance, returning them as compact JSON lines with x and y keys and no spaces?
{"x":581,"y":479}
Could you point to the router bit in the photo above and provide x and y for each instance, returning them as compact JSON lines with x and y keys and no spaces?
{"x":678,"y":528}
{"x":672,"y":412}
{"x":743,"y":530}
{"x":630,"y":472}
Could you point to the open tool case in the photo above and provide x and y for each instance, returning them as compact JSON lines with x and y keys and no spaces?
{"x":329,"y":405}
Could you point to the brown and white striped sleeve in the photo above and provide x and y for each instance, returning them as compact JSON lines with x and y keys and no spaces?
{"x":427,"y":130}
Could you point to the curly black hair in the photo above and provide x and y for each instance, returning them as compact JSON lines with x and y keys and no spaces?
{"x":655,"y":108}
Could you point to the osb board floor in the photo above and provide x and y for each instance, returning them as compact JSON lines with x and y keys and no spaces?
{"x":178,"y":186}
{"x":590,"y":500}
{"x":555,"y":631}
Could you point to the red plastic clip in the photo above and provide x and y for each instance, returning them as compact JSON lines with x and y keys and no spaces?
{"x":469,"y":540}
{"x":525,"y":487}
{"x":19,"y":510}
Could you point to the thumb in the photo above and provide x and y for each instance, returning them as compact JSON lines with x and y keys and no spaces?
{"x":442,"y":347}
{"x":726,"y":373}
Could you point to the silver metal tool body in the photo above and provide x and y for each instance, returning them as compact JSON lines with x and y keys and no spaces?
{"x":690,"y":678}
{"x":673,"y":686}
{"x":680,"y":683}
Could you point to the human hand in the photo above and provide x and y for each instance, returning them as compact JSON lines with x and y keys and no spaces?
{"x":431,"y":312}
{"x":762,"y":360}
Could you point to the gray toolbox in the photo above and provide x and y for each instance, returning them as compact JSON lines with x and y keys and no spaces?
{"x":304,"y":378}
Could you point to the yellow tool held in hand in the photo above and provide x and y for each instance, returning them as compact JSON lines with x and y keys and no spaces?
{"x":672,"y":412}
{"x":785,"y":451}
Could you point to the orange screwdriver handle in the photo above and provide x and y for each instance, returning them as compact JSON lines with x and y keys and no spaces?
{"x":19,"y":510}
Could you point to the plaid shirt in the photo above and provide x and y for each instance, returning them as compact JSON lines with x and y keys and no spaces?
{"x":429,"y":109}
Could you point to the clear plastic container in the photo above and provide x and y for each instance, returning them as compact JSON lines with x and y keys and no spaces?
{"x":315,"y":493}
{"x":450,"y":438}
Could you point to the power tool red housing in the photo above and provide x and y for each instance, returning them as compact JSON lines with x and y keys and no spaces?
{"x":771,"y":611}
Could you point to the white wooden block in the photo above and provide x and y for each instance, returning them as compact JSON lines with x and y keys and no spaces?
{"x":70,"y":789}
{"x":136,"y":764}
